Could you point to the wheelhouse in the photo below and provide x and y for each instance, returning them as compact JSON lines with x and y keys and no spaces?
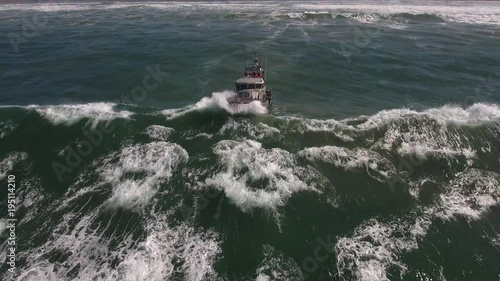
{"x":243,"y":86}
{"x":249,"y":83}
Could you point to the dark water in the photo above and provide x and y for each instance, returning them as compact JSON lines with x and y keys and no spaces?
{"x":380,"y":159}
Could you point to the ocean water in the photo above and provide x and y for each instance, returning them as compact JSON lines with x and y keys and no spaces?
{"x":380,"y":159}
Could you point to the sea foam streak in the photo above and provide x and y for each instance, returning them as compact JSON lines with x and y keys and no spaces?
{"x":375,"y":165}
{"x":6,"y":127}
{"x":72,"y":113}
{"x":217,"y":101}
{"x":150,"y":248}
{"x":435,"y":132}
{"x":7,"y":164}
{"x":477,"y":13}
{"x":257,"y":131}
{"x":156,"y":257}
{"x":276,"y":266}
{"x":245,"y":164}
{"x":155,"y":161}
{"x":157,"y":132}
{"x":374,"y":247}
{"x":470,"y":194}
{"x":164,"y":251}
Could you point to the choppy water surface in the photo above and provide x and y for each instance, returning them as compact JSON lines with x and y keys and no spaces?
{"x":379,"y":161}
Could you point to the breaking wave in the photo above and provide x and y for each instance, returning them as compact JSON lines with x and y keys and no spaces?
{"x":479,"y":13}
{"x":471,"y":194}
{"x":375,"y":247}
{"x":157,"y":132}
{"x":155,"y":256}
{"x":154,"y":161}
{"x":7,"y":164}
{"x":69,"y":114}
{"x":255,"y":177}
{"x":444,"y":159}
{"x":218,"y":101}
{"x":373,"y":163}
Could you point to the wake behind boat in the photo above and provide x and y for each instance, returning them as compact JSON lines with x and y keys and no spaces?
{"x":252,"y":87}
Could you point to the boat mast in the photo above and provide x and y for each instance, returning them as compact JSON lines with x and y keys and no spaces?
{"x":265,"y":68}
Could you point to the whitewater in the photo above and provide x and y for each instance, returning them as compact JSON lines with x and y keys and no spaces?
{"x":379,"y":159}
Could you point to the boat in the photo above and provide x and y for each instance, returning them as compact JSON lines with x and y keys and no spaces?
{"x":252,"y":86}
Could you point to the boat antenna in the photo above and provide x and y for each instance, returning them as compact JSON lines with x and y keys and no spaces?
{"x":265,"y":70}
{"x":255,"y":58}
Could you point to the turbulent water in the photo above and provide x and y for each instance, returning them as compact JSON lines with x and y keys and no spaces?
{"x":380,"y":159}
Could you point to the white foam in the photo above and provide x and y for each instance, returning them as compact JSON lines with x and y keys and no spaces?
{"x":160,"y":251}
{"x":189,"y":136}
{"x":257,"y":131}
{"x":347,"y":159}
{"x":423,"y":134}
{"x":157,"y":132}
{"x":495,"y":242}
{"x":3,"y":226}
{"x":81,"y":241}
{"x":470,"y":194}
{"x":30,"y":198}
{"x":6,"y":128}
{"x":339,"y":129}
{"x":155,"y":258}
{"x":474,"y":114}
{"x":487,"y":13}
{"x":46,"y":7}
{"x":376,"y":246}
{"x":425,"y":140}
{"x":89,"y":254}
{"x":217,"y":101}
{"x":435,"y":149}
{"x":7,"y":164}
{"x":303,"y":15}
{"x":155,"y":161}
{"x":68,"y":7}
{"x":276,"y":266}
{"x":246,"y":163}
{"x":72,"y":113}
{"x":473,"y":12}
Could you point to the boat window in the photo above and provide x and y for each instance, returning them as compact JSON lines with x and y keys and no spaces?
{"x":240,"y":87}
{"x":243,"y":95}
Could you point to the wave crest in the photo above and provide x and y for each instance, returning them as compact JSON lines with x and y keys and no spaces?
{"x":218,"y":101}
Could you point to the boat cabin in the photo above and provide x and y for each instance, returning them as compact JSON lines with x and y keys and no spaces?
{"x":248,"y":83}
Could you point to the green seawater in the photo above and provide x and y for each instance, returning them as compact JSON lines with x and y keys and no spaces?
{"x":379,"y":159}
